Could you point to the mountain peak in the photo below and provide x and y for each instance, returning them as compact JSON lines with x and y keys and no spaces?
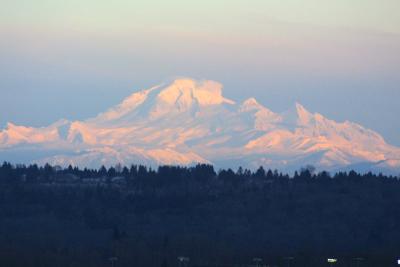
{"x":185,"y":92}
{"x":301,"y":109}
{"x":303,"y":115}
{"x":184,"y":82}
{"x":184,"y":95}
{"x":251,"y":104}
{"x":298,"y":115}
{"x":180,"y":95}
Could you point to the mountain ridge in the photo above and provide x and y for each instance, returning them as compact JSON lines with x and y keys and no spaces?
{"x":187,"y":122}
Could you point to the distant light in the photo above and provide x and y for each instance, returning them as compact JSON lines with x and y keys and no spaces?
{"x":332,"y":260}
{"x":398,"y":262}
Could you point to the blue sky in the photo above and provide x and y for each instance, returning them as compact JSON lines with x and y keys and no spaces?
{"x":73,"y":59}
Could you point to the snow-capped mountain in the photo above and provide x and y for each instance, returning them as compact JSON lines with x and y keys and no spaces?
{"x":188,"y":122}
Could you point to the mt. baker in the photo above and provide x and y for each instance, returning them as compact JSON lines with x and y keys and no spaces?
{"x":188,"y":122}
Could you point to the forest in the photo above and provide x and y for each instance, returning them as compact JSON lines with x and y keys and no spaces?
{"x":196,"y":216}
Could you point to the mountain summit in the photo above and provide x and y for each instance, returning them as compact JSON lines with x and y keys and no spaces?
{"x":181,"y":96}
{"x":188,"y":121}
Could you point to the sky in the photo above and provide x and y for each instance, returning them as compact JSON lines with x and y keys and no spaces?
{"x":73,"y":59}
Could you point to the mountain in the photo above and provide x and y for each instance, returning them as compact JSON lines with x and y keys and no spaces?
{"x":188,"y":122}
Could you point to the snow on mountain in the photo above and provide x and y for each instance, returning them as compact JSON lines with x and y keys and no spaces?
{"x":262,"y":117}
{"x":188,"y":121}
{"x":14,"y":134}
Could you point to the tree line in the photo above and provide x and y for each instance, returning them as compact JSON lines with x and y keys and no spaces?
{"x":52,"y":216}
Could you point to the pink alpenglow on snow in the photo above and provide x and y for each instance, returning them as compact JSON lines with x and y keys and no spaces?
{"x":188,"y":122}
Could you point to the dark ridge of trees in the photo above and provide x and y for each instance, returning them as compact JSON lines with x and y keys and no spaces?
{"x":52,"y":216}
